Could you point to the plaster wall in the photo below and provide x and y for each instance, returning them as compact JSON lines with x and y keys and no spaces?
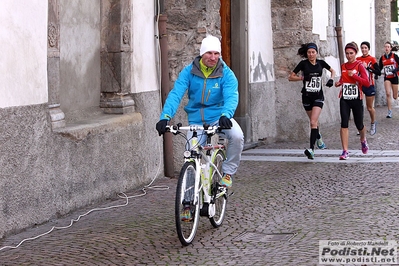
{"x":80,"y":67}
{"x":23,"y":65}
{"x":261,"y":71}
{"x":359,"y":28}
{"x":145,"y":45}
{"x":320,"y":20}
{"x":260,"y":44}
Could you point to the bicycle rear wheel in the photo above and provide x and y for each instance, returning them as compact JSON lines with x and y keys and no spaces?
{"x":219,"y":194}
{"x":186,"y":227}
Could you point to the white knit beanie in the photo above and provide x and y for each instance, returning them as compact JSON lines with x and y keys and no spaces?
{"x":210,"y":43}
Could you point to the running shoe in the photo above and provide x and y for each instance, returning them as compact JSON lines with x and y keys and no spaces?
{"x":344,"y":155}
{"x":358,"y":133}
{"x":389,"y":115}
{"x":320,"y":143}
{"x":227,"y":181}
{"x":373,"y":128}
{"x":309,"y":153}
{"x":185,"y":215}
{"x":365,"y":147}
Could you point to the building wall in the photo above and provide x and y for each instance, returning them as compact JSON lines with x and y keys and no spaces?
{"x":359,"y":28}
{"x":47,"y":172}
{"x":262,"y":94}
{"x":382,"y":34}
{"x":145,"y":47}
{"x":23,"y":36}
{"x":79,"y":56}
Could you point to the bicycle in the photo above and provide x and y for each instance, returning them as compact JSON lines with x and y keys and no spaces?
{"x":198,"y":188}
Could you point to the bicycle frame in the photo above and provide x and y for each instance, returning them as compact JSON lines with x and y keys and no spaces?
{"x":195,"y":153}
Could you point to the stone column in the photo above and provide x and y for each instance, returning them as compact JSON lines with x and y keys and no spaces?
{"x":57,"y":116}
{"x":116,"y":57}
{"x":382,"y":34}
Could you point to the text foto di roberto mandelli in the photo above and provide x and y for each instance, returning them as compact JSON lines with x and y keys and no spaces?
{"x":353,"y":243}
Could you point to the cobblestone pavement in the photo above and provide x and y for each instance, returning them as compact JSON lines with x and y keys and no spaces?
{"x":277,"y":215}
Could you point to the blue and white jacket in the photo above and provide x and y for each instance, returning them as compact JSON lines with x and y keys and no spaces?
{"x":208,"y":98}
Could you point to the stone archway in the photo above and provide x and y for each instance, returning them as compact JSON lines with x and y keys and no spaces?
{"x":115,"y":57}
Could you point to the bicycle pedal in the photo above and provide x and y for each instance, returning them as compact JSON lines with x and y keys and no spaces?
{"x":186,"y":215}
{"x":222,"y":189}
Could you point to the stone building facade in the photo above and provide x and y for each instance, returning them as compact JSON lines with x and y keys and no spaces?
{"x":80,"y":103}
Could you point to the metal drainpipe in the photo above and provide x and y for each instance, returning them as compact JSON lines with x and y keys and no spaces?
{"x":163,"y":42}
{"x":338,"y":29}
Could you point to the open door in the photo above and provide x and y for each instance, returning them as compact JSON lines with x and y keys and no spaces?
{"x":225,"y":16}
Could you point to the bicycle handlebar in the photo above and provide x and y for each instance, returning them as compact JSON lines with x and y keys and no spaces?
{"x":208,"y":129}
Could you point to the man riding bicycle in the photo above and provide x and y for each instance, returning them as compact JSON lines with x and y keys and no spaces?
{"x":212,"y":99}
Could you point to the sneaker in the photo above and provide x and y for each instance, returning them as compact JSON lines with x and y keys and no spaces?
{"x":185,"y":215}
{"x":358,"y":133}
{"x":309,"y":153}
{"x":227,"y":180}
{"x":373,"y":128}
{"x":344,"y":155}
{"x":389,"y":115}
{"x":365,"y":147}
{"x":320,"y":143}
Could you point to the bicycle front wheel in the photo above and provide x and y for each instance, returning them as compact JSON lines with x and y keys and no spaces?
{"x":219,"y":194}
{"x":187,"y":204}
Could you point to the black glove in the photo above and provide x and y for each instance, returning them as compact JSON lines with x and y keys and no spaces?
{"x":375,"y":76}
{"x":161,"y":126}
{"x":225,"y":123}
{"x":329,"y":83}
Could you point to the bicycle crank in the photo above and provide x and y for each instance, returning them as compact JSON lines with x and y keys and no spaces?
{"x":208,"y":210}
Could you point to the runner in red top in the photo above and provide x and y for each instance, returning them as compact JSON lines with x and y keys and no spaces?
{"x":353,"y":78}
{"x":371,"y":65}
{"x":389,"y":63}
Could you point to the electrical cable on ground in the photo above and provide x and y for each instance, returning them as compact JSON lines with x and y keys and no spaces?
{"x":120,"y":195}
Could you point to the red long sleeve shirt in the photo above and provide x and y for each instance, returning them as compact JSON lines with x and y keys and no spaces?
{"x":355,"y":82}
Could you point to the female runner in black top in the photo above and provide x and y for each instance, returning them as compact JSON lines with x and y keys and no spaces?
{"x":312,"y":92}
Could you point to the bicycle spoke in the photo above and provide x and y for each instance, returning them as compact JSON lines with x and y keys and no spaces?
{"x":186,"y":205}
{"x":219,"y":195}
